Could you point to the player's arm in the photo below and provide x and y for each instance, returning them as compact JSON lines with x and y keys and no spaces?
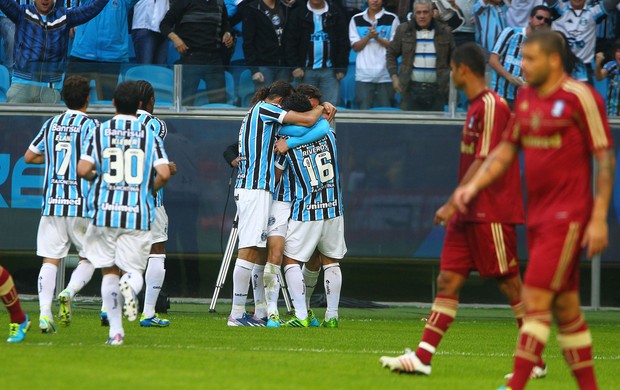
{"x":32,"y":157}
{"x":493,"y":167}
{"x":301,"y":135}
{"x":306,"y":119}
{"x":445,"y":212}
{"x":596,"y":235}
{"x":163,"y":175}
{"x":86,"y":169}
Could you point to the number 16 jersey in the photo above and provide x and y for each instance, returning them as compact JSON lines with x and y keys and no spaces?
{"x":124,"y":152}
{"x":317,"y":189}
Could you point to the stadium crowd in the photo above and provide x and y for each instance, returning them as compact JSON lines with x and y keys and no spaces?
{"x":357,"y":52}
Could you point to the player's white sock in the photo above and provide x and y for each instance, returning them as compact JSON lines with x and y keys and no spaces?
{"x":112,"y":300}
{"x":272,"y":287}
{"x":258,"y":285}
{"x":310,"y":278}
{"x":135,"y":280}
{"x":154,"y":279}
{"x":296,"y":289}
{"x":333,"y":285}
{"x":47,"y":284}
{"x":241,"y":282}
{"x":80,"y":276}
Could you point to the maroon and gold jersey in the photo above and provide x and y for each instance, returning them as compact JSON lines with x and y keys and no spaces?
{"x":487,"y":118}
{"x":558,"y":134}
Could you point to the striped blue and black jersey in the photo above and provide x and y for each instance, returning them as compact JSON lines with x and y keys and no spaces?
{"x":286,"y":186}
{"x":125,"y":153}
{"x":60,"y":139}
{"x":508,"y":48}
{"x":256,"y":142}
{"x":318,"y":55}
{"x":317,"y":192}
{"x":158,"y":127}
{"x":490,"y":21}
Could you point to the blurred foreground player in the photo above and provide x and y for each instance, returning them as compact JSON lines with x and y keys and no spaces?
{"x":20,"y":323}
{"x":560,"y":124}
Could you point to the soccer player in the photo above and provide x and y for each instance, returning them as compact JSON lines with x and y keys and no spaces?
{"x":65,"y":215}
{"x":484,"y":238}
{"x":120,"y":158}
{"x":254,"y":187}
{"x":317,"y":221}
{"x":155,"y":270}
{"x":559,"y":123}
{"x":20,"y":323}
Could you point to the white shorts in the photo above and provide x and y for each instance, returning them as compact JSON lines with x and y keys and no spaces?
{"x":302,"y":238}
{"x":128,"y":249}
{"x":253,"y":208}
{"x":56,"y":234}
{"x":278,"y":221}
{"x":159,"y":228}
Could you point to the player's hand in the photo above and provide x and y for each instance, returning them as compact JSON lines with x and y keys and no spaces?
{"x":173,"y":167}
{"x":298,"y":73}
{"x":281,"y":147}
{"x":228,"y":40}
{"x":595,"y":237}
{"x":235,"y":163}
{"x":444,"y":214}
{"x":330,"y":110}
{"x":600,"y":57}
{"x":396,"y":84}
{"x":258,"y":77}
{"x":463,"y":195}
{"x":516,"y":81}
{"x":180,"y":45}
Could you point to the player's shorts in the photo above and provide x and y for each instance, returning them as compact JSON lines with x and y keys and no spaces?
{"x":253,"y":209}
{"x":56,"y":234}
{"x":278,"y":221}
{"x":159,"y":227}
{"x":327,"y":236}
{"x":555,"y":252}
{"x":489,"y":248}
{"x":128,"y":249}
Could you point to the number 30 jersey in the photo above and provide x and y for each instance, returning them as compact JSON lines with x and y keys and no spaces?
{"x":60,"y":138}
{"x":317,"y":192}
{"x":124,"y":152}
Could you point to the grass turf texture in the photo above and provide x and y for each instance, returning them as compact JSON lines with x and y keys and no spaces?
{"x":199,"y":351}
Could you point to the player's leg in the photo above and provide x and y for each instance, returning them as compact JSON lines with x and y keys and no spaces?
{"x":277,"y":226}
{"x":112,"y":300}
{"x":455,"y":265}
{"x":258,"y":287}
{"x":19,"y":321}
{"x":132,"y":253}
{"x":574,"y":338}
{"x":81,"y":275}
{"x":253,"y":209}
{"x":310,"y":272}
{"x":155,"y":271}
{"x":297,"y":291}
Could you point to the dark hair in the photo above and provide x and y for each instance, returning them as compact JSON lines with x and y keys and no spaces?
{"x":617,"y":44}
{"x":540,"y":8}
{"x":569,"y":59}
{"x":146,"y":92}
{"x":549,"y":41}
{"x":75,"y":91}
{"x":310,"y":91}
{"x":127,"y":98}
{"x":275,"y":90}
{"x":470,"y":55}
{"x":296,"y":102}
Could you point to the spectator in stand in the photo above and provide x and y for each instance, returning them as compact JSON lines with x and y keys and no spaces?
{"x":606,"y":33}
{"x":263,"y":45}
{"x":578,"y":22}
{"x":97,"y":55}
{"x":518,"y":12}
{"x":370,"y":33}
{"x":610,"y":70}
{"x":425,"y":45}
{"x":317,"y":47}
{"x":41,"y":34}
{"x":466,"y":32}
{"x":150,"y":45}
{"x":201,"y":33}
{"x":489,"y":21}
{"x":7,"y":35}
{"x":505,"y":59}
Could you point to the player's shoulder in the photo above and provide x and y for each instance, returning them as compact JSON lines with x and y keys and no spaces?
{"x":579,"y":91}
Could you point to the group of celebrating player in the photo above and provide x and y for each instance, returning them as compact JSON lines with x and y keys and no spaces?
{"x":560,"y":124}
{"x":289,"y":204}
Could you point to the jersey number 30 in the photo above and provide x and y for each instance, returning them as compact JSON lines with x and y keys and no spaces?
{"x":324,"y":168}
{"x":125,"y":165}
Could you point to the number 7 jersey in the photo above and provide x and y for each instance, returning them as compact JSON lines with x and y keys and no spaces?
{"x":124,"y":152}
{"x":317,"y":192}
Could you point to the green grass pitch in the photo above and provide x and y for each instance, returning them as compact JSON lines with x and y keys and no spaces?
{"x":199,"y":351}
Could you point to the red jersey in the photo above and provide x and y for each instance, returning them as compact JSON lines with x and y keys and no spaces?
{"x":558,"y":134}
{"x":487,"y":118}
